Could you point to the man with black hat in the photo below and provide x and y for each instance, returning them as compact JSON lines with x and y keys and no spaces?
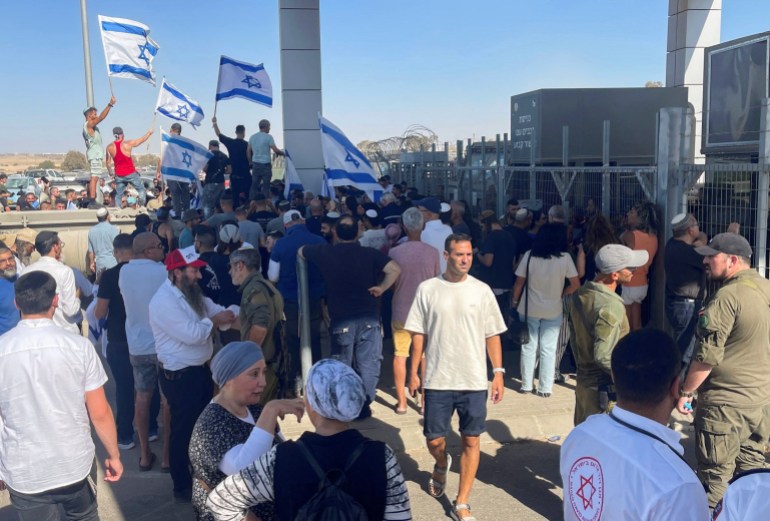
{"x":240,"y":179}
{"x":597,"y":322}
{"x":214,"y":185}
{"x":94,"y":148}
{"x":435,"y":231}
{"x":730,"y":367}
{"x":119,"y":154}
{"x":182,"y":321}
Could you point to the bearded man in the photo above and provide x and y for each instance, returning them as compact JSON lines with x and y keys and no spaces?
{"x":9,"y":314}
{"x":182,"y":322}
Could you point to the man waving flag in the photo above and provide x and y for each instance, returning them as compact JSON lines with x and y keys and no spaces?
{"x":182,"y":158}
{"x":239,"y":79}
{"x":128,"y":48}
{"x":175,"y":105}
{"x":344,"y":164}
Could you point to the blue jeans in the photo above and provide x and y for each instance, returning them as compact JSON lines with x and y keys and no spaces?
{"x":683,"y":317}
{"x":261,"y":175}
{"x":543,"y":338}
{"x":357,"y":342}
{"x":134,"y":180}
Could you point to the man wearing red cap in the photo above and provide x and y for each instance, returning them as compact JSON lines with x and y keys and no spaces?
{"x":182,"y":321}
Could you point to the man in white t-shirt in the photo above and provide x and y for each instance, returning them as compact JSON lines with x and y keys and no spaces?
{"x":51,"y":383}
{"x":628,"y":464}
{"x":435,"y":232}
{"x":456,"y":321}
{"x":138,"y":282}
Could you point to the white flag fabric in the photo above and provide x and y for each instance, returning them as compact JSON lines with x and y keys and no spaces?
{"x":239,"y":79}
{"x":175,"y":105}
{"x":182,"y":158}
{"x":344,"y":164}
{"x":128,"y":48}
{"x":291,"y":177}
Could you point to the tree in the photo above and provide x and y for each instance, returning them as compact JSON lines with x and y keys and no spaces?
{"x":146,"y":160}
{"x":74,"y":160}
{"x":46,"y":164}
{"x":653,"y":84}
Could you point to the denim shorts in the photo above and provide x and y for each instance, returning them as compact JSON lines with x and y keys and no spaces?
{"x":471,"y":407}
{"x":145,"y":372}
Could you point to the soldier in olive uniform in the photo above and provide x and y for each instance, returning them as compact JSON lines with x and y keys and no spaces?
{"x":261,"y":314}
{"x":597,"y":321}
{"x":730,"y":367}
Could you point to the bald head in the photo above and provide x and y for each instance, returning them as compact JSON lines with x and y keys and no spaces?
{"x":316,"y":208}
{"x":142,"y":242}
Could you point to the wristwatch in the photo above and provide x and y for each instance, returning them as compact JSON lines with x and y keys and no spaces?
{"x":499,"y":370}
{"x":684,"y":394}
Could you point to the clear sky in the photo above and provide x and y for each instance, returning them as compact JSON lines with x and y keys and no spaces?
{"x":446,"y":64}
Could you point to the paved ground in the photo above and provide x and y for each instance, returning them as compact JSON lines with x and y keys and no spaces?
{"x":518,"y":476}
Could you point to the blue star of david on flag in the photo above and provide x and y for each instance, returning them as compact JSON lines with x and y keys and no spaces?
{"x":182,"y":158}
{"x":252,"y":82}
{"x":142,"y":50}
{"x":186,"y":159}
{"x":183,"y":111}
{"x":352,"y":159}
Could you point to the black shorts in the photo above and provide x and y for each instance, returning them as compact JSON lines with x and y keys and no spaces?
{"x":471,"y":407}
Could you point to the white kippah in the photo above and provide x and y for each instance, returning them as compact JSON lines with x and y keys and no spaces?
{"x":678,"y":219}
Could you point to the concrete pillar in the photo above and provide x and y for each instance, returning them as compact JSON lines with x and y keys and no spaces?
{"x":300,"y":37}
{"x":692,"y":26}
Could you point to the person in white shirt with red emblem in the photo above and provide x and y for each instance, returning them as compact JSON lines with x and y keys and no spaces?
{"x":628,"y":464}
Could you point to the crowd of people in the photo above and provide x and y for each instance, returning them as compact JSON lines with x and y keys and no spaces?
{"x":197,"y":312}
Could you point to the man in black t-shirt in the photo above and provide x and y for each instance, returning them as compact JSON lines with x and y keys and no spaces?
{"x":497,"y":257}
{"x":109,"y":304}
{"x":240,"y":179}
{"x":684,"y":279}
{"x":521,"y":223}
{"x":214,"y":184}
{"x":355,"y":278}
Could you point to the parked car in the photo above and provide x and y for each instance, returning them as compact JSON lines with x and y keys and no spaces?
{"x":18,"y":185}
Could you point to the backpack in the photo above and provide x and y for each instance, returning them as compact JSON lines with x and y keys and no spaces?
{"x":330,"y":502}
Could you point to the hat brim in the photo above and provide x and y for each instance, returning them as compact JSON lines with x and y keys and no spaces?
{"x":638,"y":259}
{"x":195,"y":264}
{"x":706,"y":250}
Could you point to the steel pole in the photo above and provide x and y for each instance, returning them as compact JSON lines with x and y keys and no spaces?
{"x":306,"y":355}
{"x":87,"y":55}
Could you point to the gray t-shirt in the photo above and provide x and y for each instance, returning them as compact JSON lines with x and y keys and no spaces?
{"x":100,"y":239}
{"x":260,"y":147}
{"x":251,"y":232}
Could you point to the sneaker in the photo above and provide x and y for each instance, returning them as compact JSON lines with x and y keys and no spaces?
{"x":153,"y":436}
{"x":126,"y":444}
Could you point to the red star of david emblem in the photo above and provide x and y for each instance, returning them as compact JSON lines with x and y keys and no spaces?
{"x":586,"y":485}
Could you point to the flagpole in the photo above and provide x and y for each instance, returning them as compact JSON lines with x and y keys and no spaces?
{"x":109,"y":79}
{"x":215,"y":108}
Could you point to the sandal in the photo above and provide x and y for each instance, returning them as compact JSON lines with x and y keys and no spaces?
{"x":456,"y":507}
{"x":436,"y":488}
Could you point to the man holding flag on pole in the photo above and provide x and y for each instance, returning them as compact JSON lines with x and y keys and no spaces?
{"x":119,"y":154}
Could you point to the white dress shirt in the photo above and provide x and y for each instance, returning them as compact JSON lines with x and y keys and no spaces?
{"x":67,"y":313}
{"x":611,"y":471}
{"x":45,"y":435}
{"x":435,"y":234}
{"x":182,"y":338}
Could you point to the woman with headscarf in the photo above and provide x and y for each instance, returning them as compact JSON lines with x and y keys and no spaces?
{"x":334,"y":396}
{"x":233,"y":431}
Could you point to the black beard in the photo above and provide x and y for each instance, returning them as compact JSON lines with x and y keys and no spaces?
{"x":193,"y":294}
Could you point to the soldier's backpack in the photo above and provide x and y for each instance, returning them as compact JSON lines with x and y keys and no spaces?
{"x":331,"y":503}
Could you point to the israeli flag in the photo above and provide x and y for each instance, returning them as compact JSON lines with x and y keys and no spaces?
{"x":182,"y":158}
{"x":291,"y":177}
{"x":243,"y":80}
{"x":128,"y":48}
{"x":344,"y":163}
{"x":175,"y":105}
